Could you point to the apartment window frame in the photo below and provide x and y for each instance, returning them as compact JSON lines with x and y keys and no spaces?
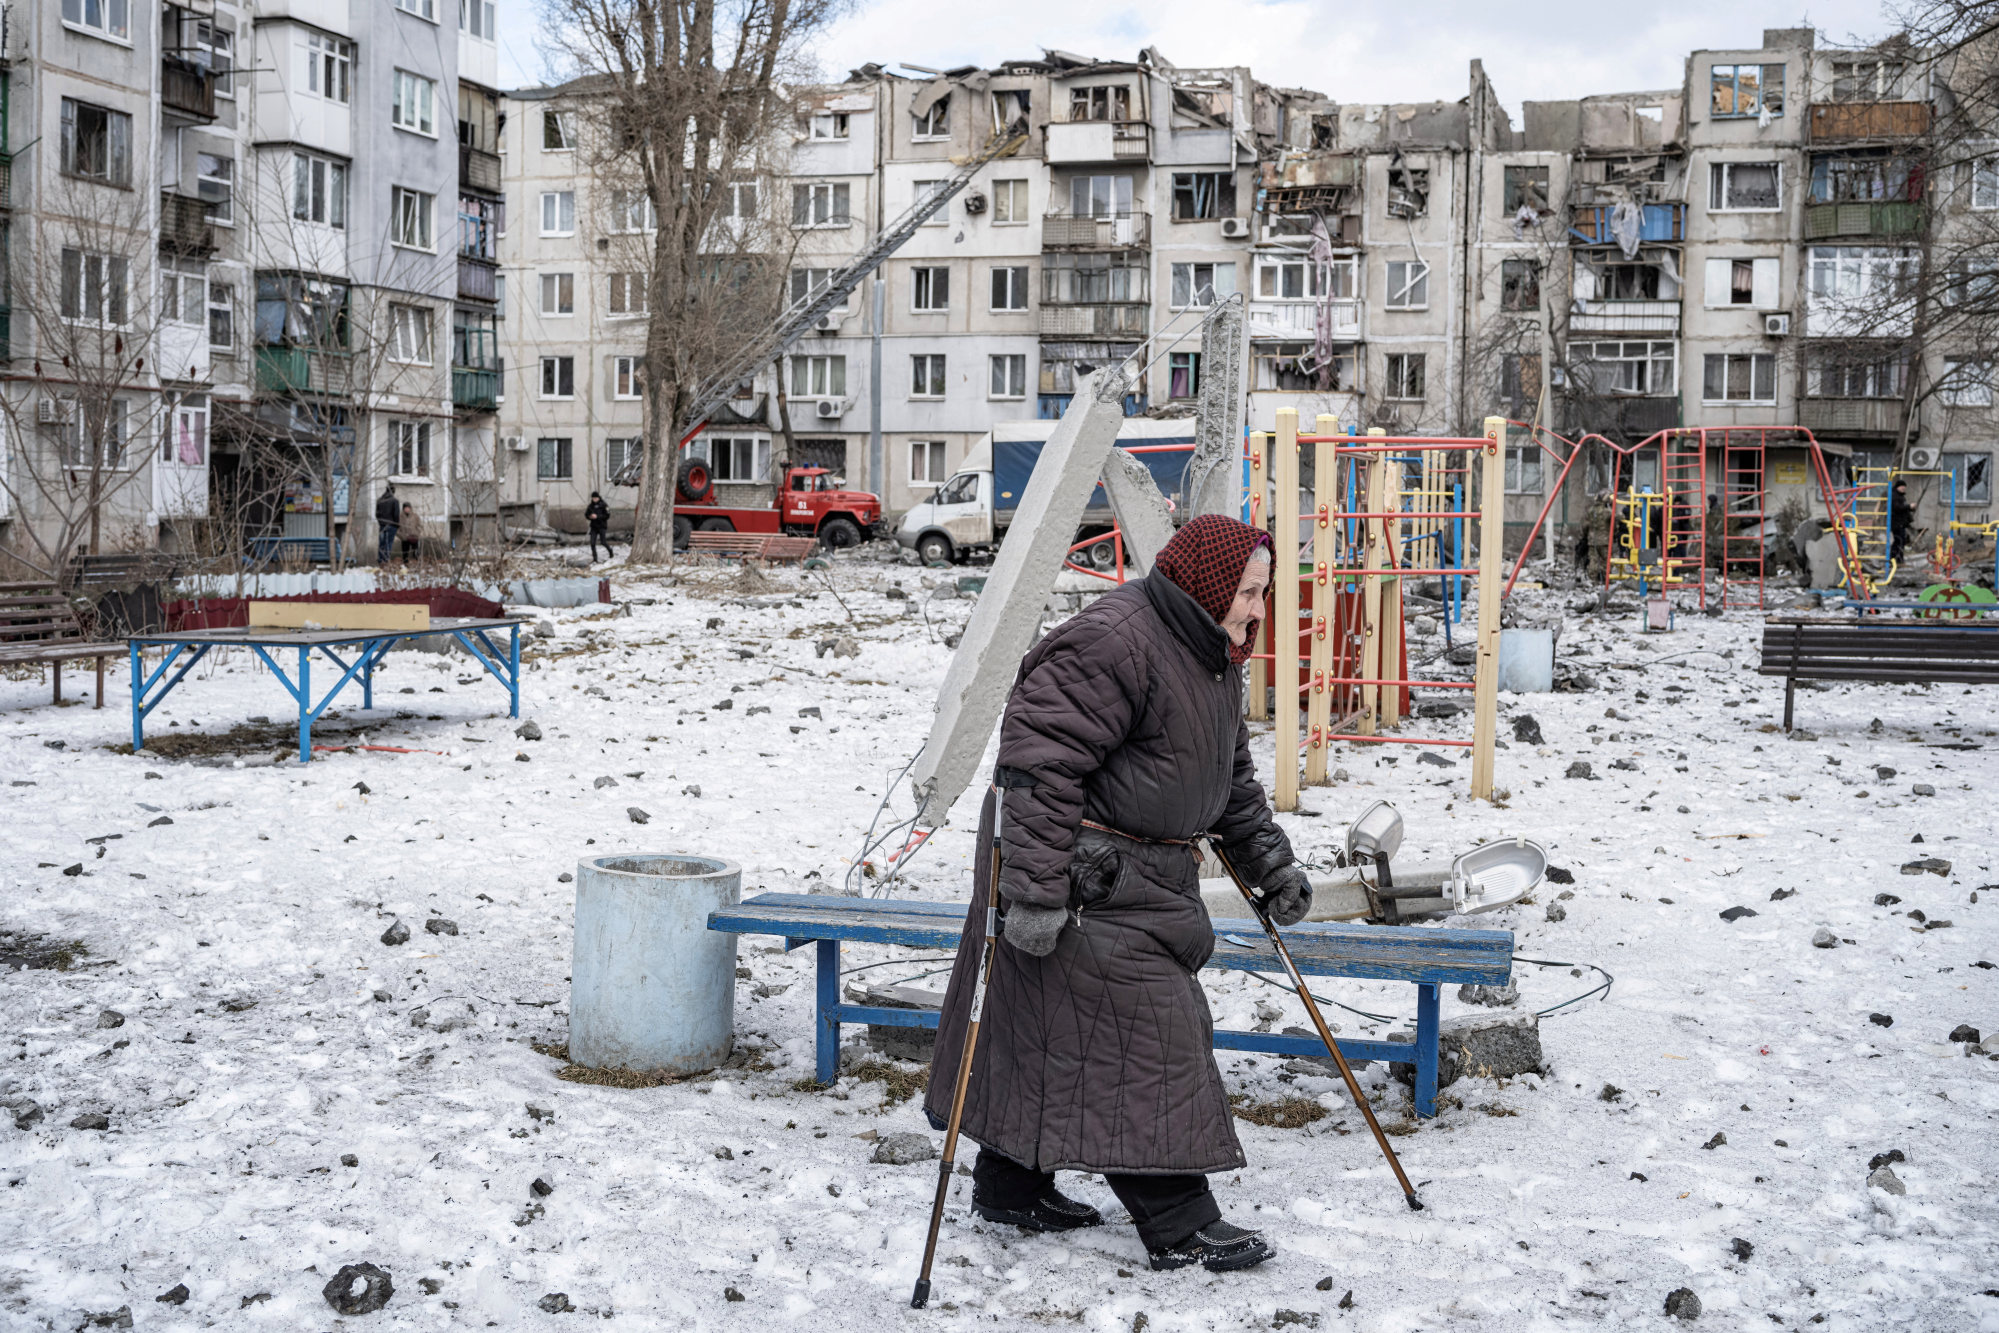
{"x":413,"y":102}
{"x":1405,"y":376}
{"x":410,"y":450}
{"x":927,"y":467}
{"x":1766,"y":97}
{"x":1100,"y":102}
{"x":1632,"y":367}
{"x":818,"y":376}
{"x":481,"y":11}
{"x":1300,"y":279}
{"x":1853,"y":374}
{"x":1185,"y":287}
{"x":215,"y":184}
{"x":626,"y":297}
{"x":1414,"y":291}
{"x":805,"y":282}
{"x":1011,"y":202}
{"x":95,"y":288}
{"x":329,"y":66}
{"x":924,"y":190}
{"x":214,"y":49}
{"x":928,"y":380}
{"x":558,"y":379}
{"x":558,"y":131}
{"x":412,"y":334}
{"x":1520,"y":285}
{"x":112,"y":19}
{"x":621,"y":452}
{"x":319,"y":190}
{"x":627,"y":379}
{"x":738,"y":457}
{"x":1006,"y":376}
{"x":1007,"y":290}
{"x":934,"y":124}
{"x":1525,"y":472}
{"x":632,"y":213}
{"x":1970,"y":475}
{"x":836,"y":125}
{"x":1183,"y":375}
{"x":737,"y":210}
{"x":183,"y":294}
{"x":1966,"y":381}
{"x":1839,"y":274}
{"x":412,"y":219}
{"x":423,"y":9}
{"x":1759,"y":368}
{"x":819,"y":205}
{"x":184,"y":429}
{"x":1523,"y":185}
{"x":221,"y":316}
{"x":1204,"y":196}
{"x":1984,"y":183}
{"x":929,"y":289}
{"x":96,"y":143}
{"x":555,"y":458}
{"x":114,"y":451}
{"x":558,"y":212}
{"x":1726,"y":274}
{"x":1722,"y":187}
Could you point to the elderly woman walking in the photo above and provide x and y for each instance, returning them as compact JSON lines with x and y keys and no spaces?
{"x":1124,"y":740}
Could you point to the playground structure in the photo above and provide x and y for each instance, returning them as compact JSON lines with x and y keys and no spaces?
{"x":1367,"y":533}
{"x":1858,"y":514}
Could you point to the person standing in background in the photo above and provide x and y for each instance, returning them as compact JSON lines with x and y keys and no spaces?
{"x":388,"y":517}
{"x":411,"y":533}
{"x":598,"y":515}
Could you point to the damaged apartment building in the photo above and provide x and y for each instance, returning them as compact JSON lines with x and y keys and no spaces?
{"x":1725,"y":253}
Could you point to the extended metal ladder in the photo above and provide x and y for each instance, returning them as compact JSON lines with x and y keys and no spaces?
{"x":1744,"y":511}
{"x":801,"y":315}
{"x":1683,"y":477}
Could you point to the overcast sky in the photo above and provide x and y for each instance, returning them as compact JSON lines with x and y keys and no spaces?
{"x":1351,"y":50}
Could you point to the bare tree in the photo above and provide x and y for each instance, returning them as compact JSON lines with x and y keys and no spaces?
{"x":691,"y":96}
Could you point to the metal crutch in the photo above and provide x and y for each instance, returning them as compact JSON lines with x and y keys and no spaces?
{"x":1325,"y":1033}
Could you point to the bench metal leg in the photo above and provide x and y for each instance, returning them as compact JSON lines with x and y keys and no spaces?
{"x":305,"y":705}
{"x":55,"y":670}
{"x":827,"y":1011}
{"x":1428,"y":1004}
{"x":138,"y":717}
{"x":1790,"y":692}
{"x":100,"y":682}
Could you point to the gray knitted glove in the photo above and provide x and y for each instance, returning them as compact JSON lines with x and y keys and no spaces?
{"x":1286,"y":895}
{"x":1032,"y":929}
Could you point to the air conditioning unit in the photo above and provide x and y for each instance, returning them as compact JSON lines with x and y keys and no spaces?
{"x":55,"y":411}
{"x":975,"y":203}
{"x":517,"y":443}
{"x":1924,"y":457}
{"x":831,"y":409}
{"x":1235,"y":229}
{"x":827,"y":324}
{"x":1777,"y":326}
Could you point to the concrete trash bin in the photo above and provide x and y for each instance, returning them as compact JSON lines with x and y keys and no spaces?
{"x":651,"y":987}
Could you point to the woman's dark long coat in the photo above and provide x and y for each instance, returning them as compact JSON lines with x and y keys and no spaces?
{"x":1099,"y":1056}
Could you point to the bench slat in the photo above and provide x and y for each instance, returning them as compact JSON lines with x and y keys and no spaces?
{"x":1383,"y":953}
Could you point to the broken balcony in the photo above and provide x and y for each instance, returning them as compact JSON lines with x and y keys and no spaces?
{"x":1095,"y":321}
{"x":1836,"y":121}
{"x":1658,"y":224}
{"x":1076,"y":142}
{"x":1646,"y":317}
{"x":1066,"y":230}
{"x":1292,"y":320}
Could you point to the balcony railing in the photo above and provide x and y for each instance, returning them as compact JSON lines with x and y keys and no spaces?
{"x":476,"y":279}
{"x":300,"y":370}
{"x":1622,"y":419}
{"x":187,"y":89}
{"x":184,"y":226}
{"x":1664,"y":224}
{"x":1888,"y":218}
{"x":1095,"y":321}
{"x":1119,"y":231}
{"x":474,"y":389}
{"x":1625,"y":317}
{"x":1869,"y":120}
{"x":1295,"y":320}
{"x":478,"y":169}
{"x":1851,"y":416}
{"x":1098,"y":141}
{"x":6,"y":180}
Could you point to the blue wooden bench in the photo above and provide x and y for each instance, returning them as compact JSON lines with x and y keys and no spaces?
{"x":1427,"y":957}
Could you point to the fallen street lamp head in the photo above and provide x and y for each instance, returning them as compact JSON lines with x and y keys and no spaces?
{"x":1377,"y":833}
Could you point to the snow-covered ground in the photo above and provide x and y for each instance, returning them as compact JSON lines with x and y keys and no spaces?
{"x":273,"y":1112}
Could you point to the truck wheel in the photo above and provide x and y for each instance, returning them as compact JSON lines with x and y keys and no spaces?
{"x":838,"y":533}
{"x":717,"y":525}
{"x":683,"y":528}
{"x":696,"y":485}
{"x":934,"y":548}
{"x":1103,"y":555}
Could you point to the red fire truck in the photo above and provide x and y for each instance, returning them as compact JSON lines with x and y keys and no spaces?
{"x":809,"y":504}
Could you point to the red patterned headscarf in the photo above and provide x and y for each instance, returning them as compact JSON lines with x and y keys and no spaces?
{"x":1207,"y":558}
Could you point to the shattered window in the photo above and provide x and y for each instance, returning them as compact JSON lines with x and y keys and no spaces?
{"x":1732,"y":378}
{"x":1203,"y":195}
{"x":1867,"y":80}
{"x":1183,"y":374}
{"x":1010,"y":107}
{"x":1201,"y":284}
{"x":1104,"y":101}
{"x":1747,"y":90}
{"x":1624,"y":367}
{"x":1865,"y":177}
{"x":1628,"y":282}
{"x":1519,"y":284}
{"x":1408,"y":192}
{"x":1526,"y":187}
{"x":1408,"y":285}
{"x":1736,"y":186}
{"x":1855,"y":374}
{"x":1405,"y":374}
{"x":1971,"y":477}
{"x":935,"y":122}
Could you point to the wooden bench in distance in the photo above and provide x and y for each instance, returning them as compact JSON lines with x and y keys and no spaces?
{"x":40,"y":624}
{"x":751,"y":545}
{"x":1428,"y":958}
{"x":1878,"y":649}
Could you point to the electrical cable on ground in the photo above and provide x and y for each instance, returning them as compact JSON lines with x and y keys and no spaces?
{"x":870,"y":844}
{"x":1604,"y":989}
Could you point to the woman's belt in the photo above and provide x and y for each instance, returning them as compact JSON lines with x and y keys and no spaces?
{"x":1161,"y":842}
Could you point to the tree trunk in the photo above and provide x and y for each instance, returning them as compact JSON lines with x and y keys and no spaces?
{"x":652,"y":524}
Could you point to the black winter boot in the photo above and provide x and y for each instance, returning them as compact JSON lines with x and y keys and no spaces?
{"x":1052,"y":1211}
{"x":1218,"y":1247}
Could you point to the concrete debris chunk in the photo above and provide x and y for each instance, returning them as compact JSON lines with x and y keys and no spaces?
{"x":1885,"y":1179}
{"x":1824,"y":939}
{"x":904,"y":1150}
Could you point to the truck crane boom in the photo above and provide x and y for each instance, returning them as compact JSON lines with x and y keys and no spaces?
{"x":801,"y":315}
